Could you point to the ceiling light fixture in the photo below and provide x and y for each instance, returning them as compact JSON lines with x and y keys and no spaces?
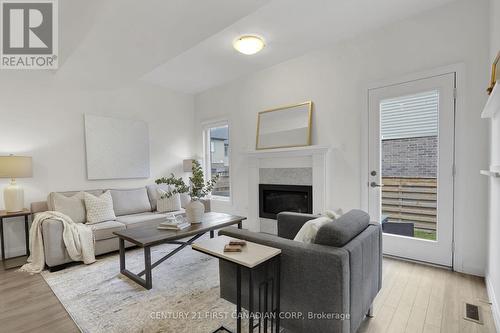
{"x":249,"y":44}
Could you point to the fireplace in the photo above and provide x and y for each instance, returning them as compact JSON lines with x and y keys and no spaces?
{"x":274,"y":199}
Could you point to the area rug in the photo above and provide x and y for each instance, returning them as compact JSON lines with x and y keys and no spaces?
{"x":184,"y":297}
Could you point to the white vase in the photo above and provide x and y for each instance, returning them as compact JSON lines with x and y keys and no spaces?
{"x":194,"y":211}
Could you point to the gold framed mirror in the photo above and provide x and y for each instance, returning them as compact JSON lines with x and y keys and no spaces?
{"x":285,"y":126}
{"x":495,"y":68}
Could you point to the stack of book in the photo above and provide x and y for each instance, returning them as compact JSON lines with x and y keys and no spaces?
{"x":174,"y":224}
{"x":235,"y":245}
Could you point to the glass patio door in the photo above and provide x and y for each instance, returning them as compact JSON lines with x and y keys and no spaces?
{"x":411,"y":154}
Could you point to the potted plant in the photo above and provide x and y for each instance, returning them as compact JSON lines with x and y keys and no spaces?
{"x":196,"y":189}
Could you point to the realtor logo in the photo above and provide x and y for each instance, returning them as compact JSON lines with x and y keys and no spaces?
{"x":28,"y":34}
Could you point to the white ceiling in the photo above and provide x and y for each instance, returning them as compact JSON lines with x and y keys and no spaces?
{"x":290,"y":27}
{"x":186,"y":45}
{"x":106,"y":42}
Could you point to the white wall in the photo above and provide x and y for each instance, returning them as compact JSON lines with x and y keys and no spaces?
{"x":493,"y":267}
{"x":41,"y":115}
{"x":334,"y":79}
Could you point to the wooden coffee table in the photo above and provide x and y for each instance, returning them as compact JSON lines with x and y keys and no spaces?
{"x":149,"y":236}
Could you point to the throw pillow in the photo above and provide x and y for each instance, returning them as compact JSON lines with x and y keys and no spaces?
{"x":334,"y":214}
{"x":167,"y":204}
{"x":308,"y":232}
{"x":99,"y":209}
{"x":73,"y":207}
{"x":153,"y":193}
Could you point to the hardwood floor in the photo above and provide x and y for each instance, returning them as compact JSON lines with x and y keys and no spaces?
{"x":418,"y":298}
{"x":27,"y":304}
{"x":414,"y":298}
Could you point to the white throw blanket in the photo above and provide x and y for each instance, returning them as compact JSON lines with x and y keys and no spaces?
{"x":78,"y":239}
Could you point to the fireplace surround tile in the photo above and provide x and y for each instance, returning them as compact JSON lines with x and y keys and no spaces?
{"x":286,"y":176}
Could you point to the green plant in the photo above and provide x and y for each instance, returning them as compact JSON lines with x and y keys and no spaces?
{"x":197,"y":187}
{"x":179,"y":186}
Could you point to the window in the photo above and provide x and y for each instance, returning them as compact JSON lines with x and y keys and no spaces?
{"x":410,"y":116}
{"x":217,"y":151}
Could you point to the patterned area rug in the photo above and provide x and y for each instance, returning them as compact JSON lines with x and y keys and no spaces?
{"x":184,"y":298}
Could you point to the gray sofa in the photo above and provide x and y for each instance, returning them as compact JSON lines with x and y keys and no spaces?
{"x":341,"y":273}
{"x":133,"y":208}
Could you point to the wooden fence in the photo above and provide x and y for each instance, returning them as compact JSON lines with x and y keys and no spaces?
{"x":410,"y":200}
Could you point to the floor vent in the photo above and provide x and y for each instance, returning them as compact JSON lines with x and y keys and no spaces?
{"x":473,"y":313}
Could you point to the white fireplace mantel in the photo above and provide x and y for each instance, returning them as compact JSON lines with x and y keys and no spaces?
{"x":315,"y":157}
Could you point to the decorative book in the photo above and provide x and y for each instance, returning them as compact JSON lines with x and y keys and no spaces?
{"x":232,"y":248}
{"x":237,"y":242}
{"x":177,"y":223}
{"x":174,"y":227}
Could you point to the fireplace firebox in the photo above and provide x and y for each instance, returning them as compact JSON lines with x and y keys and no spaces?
{"x":274,"y":199}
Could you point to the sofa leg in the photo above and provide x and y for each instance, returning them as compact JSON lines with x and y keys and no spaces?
{"x":53,"y":269}
{"x":370,"y":312}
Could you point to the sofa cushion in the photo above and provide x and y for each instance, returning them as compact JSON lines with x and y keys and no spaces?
{"x":130,"y":201}
{"x":104,"y":230}
{"x":153,"y":193}
{"x":99,"y":209}
{"x":340,"y":232}
{"x":73,"y":207}
{"x":143,"y":219}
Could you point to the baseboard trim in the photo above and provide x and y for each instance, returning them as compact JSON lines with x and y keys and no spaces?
{"x":470,"y":270}
{"x":495,"y":309}
{"x":390,"y":256}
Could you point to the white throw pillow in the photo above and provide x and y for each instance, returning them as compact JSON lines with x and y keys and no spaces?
{"x":99,"y":209}
{"x":171,"y":204}
{"x":73,"y":207}
{"x":308,"y":232}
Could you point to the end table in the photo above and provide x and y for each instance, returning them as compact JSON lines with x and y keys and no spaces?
{"x":252,"y":256}
{"x":6,"y":215}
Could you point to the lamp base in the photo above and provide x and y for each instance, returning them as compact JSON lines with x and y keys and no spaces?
{"x":13,"y":196}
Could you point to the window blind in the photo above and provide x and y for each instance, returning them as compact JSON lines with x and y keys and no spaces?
{"x":410,"y":116}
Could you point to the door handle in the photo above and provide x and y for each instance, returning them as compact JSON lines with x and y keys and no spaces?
{"x":373,"y":184}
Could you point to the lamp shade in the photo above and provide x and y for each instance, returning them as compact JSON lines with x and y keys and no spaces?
{"x":15,"y":167}
{"x":187,"y":165}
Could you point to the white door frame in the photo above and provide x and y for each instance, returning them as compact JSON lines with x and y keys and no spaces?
{"x":459,"y":70}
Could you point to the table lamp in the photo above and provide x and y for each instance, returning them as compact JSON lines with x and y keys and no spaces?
{"x":14,"y":167}
{"x":187,"y":165}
